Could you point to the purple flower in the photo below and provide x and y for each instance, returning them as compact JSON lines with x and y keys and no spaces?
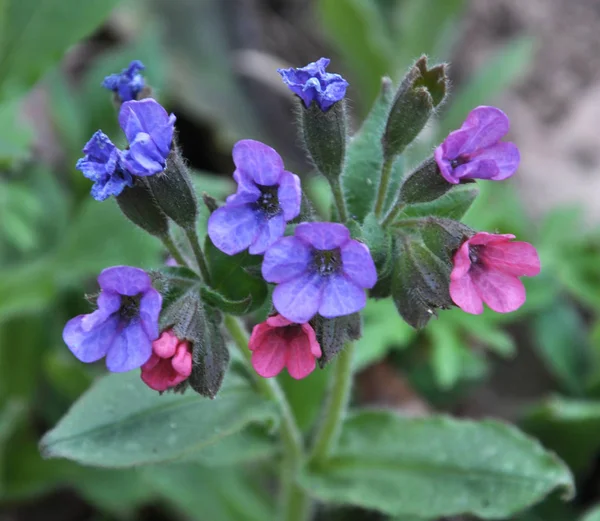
{"x":128,"y":83}
{"x":103,"y":164}
{"x":124,"y":325}
{"x":149,"y":130}
{"x":475,"y":151}
{"x":320,"y":269}
{"x":267,"y":197}
{"x":313,"y":83}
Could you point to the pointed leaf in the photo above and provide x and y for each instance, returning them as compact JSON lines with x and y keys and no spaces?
{"x":233,"y":307}
{"x":436,"y":466}
{"x":119,"y":422}
{"x":453,"y":205}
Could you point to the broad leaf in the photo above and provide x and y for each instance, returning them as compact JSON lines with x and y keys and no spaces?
{"x":119,"y":422}
{"x":571,"y":428}
{"x":436,"y":466}
{"x":232,"y":279}
{"x":37,"y":34}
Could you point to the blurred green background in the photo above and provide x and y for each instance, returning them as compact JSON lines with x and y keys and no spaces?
{"x":213,"y":63}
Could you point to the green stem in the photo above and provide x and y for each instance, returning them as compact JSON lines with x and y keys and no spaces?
{"x":173,"y":250}
{"x":335,"y":409}
{"x":295,"y":503}
{"x":199,"y":254}
{"x":386,"y":173}
{"x":392,"y":214}
{"x":340,"y":202}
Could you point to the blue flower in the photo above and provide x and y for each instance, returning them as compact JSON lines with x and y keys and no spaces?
{"x":125,"y":324}
{"x":128,"y":83}
{"x":103,"y":164}
{"x":267,"y":197}
{"x":313,"y":83}
{"x":149,"y":130}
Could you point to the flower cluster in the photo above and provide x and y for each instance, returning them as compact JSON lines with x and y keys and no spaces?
{"x":149,"y":131}
{"x":321,"y":270}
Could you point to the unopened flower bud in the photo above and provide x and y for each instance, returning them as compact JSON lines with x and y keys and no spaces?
{"x":174,"y":192}
{"x":139,"y":206}
{"x":421,"y":91}
{"x":420,"y":282}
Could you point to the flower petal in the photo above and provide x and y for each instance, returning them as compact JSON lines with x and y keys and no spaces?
{"x":166,"y":345}
{"x":150,"y":117}
{"x":299,"y":299}
{"x":289,"y":195}
{"x":233,"y":228}
{"x":259,"y":334}
{"x":182,"y":363}
{"x":268,"y":359}
{"x":130,"y":349}
{"x":482,"y":238}
{"x":501,"y":292}
{"x":341,"y":297}
{"x":258,"y":160}
{"x":323,"y":236}
{"x":358,"y":264}
{"x":108,"y":303}
{"x":462,"y":262}
{"x":513,"y":258}
{"x":269,"y":231}
{"x":143,"y":157}
{"x":125,"y":280}
{"x":444,"y":165}
{"x":315,"y":348}
{"x":287,"y":259}
{"x":278,"y":321}
{"x":485,"y":126}
{"x":477,"y":169}
{"x":505,"y":155}
{"x":465,"y":295}
{"x":90,"y":346}
{"x":300,"y":360}
{"x":150,"y":306}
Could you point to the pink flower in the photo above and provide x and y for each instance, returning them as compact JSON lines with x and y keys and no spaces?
{"x":279,"y":343}
{"x":486,"y":269}
{"x":170,"y":362}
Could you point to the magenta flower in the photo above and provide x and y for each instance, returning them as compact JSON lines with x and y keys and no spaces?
{"x":149,"y":130}
{"x":320,"y":269}
{"x":124,"y":325}
{"x":267,"y":197}
{"x":278,"y":343}
{"x":170,"y":362}
{"x":486,"y":269}
{"x":313,"y":83}
{"x":475,"y":151}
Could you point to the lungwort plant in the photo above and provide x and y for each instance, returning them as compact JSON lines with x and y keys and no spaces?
{"x":192,"y":382}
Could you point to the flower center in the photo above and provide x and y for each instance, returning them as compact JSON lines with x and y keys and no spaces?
{"x":290,"y":332}
{"x":460,"y":160}
{"x":268,"y":202}
{"x":327,"y":262}
{"x":130,"y":306}
{"x":475,"y":254}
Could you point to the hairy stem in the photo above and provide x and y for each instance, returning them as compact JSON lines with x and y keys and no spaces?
{"x":199,"y":254}
{"x":295,"y":504}
{"x":173,"y":250}
{"x":392,"y":214}
{"x":340,"y":202}
{"x":384,"y":182}
{"x":335,"y":409}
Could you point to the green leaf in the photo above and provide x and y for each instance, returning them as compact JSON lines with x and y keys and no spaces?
{"x":230,"y":277}
{"x":571,"y":428}
{"x":592,"y":515}
{"x":436,"y":466}
{"x":453,"y":205}
{"x":498,"y":73}
{"x":37,"y":35}
{"x":356,"y":28}
{"x":364,"y":159}
{"x":233,"y":307}
{"x":100,"y":237}
{"x":119,"y":422}
{"x":562,"y":343}
{"x":16,"y":135}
